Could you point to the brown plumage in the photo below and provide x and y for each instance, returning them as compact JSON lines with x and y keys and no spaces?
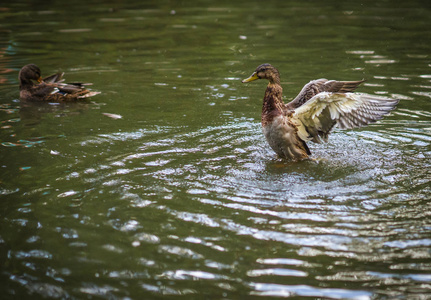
{"x":317,"y":86}
{"x":50,"y":88}
{"x":321,"y":105}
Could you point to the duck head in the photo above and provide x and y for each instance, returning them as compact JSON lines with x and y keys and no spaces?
{"x":28,"y":73}
{"x":264,"y":71}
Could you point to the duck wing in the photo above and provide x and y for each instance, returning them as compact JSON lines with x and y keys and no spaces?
{"x":56,"y":81}
{"x":317,"y":86}
{"x":54,"y":78}
{"x":70,"y":88}
{"x":316,"y":118}
{"x":73,"y":91}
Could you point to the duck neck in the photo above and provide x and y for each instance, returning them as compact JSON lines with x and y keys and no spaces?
{"x":25,"y":83}
{"x":272,"y":102}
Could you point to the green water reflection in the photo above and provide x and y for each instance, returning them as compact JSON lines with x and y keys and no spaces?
{"x":163,"y":184}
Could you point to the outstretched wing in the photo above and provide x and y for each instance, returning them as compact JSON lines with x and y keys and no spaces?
{"x":316,"y":118}
{"x":317,"y":86}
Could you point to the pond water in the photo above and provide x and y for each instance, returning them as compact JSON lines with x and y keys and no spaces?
{"x":163,"y":185}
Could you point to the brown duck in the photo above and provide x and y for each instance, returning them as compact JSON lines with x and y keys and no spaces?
{"x":321,"y":105}
{"x":50,"y":88}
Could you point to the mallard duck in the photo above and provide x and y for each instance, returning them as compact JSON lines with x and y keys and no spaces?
{"x":50,"y":88}
{"x":321,"y":105}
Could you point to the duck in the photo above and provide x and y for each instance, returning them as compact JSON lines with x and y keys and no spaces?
{"x":319,"y":107}
{"x":32,"y":87}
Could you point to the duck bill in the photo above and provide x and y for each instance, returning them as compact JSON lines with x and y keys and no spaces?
{"x":251,"y":78}
{"x":39,"y":79}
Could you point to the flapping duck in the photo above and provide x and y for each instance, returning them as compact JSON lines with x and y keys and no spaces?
{"x":320,"y":106}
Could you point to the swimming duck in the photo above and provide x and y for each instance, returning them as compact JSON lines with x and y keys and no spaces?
{"x":321,"y":105}
{"x":50,"y":88}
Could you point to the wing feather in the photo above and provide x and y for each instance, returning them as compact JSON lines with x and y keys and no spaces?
{"x":316,"y":118}
{"x":321,"y":85}
{"x":58,"y":77}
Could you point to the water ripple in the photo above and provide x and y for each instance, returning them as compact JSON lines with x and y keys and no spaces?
{"x":279,"y":290}
{"x":195,"y":197}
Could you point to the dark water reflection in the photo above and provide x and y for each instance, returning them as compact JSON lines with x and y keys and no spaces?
{"x":163,"y":184}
